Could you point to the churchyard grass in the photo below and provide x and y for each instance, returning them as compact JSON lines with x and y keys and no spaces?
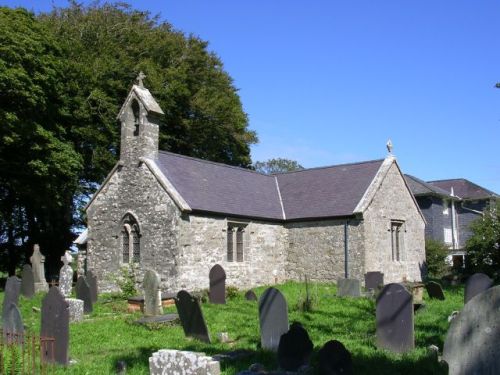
{"x":109,"y":334}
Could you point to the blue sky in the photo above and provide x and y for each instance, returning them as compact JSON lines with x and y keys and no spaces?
{"x":328,"y":82}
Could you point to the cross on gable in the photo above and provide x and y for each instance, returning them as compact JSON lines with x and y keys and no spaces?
{"x":140,"y":79}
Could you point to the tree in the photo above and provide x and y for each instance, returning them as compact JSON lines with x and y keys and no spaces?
{"x":435,"y":258}
{"x":278,"y":165}
{"x":483,"y":247}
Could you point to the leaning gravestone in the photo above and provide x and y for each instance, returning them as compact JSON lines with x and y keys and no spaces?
{"x":92,"y":281}
{"x":152,"y":294}
{"x":374,"y":280}
{"x":273,"y":318}
{"x":394,"y":319}
{"x":66,"y":275}
{"x":472,"y":342}
{"x":11,"y":295}
{"x":477,"y":283}
{"x":348,"y":288}
{"x":27,"y":282}
{"x":38,"y":266}
{"x":435,"y":290}
{"x":83,"y":292}
{"x":250,"y":295}
{"x":55,"y":324}
{"x":217,"y":277}
{"x":191,"y":316}
{"x":295,"y":348}
{"x":13,"y":328}
{"x":334,"y":359}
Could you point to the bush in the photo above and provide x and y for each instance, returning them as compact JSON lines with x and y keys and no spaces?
{"x":435,"y":254}
{"x":231,"y":292}
{"x":125,"y":279}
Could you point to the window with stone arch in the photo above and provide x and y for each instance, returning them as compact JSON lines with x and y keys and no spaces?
{"x":131,"y":240}
{"x":235,"y":242}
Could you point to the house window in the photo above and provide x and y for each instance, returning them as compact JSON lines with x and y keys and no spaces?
{"x":131,"y":240}
{"x":397,"y":243}
{"x":447,"y":236}
{"x":235,"y":242}
{"x":445,"y":208}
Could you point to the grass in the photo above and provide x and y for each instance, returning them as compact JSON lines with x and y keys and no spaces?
{"x":109,"y":335}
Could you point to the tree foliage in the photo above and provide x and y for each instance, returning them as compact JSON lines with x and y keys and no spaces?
{"x":278,"y":165}
{"x":435,"y":259}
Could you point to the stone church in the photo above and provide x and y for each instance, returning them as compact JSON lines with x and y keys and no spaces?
{"x":180,"y":216}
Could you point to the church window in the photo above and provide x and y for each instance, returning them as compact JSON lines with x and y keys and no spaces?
{"x":136,"y":248}
{"x":235,"y":242}
{"x":239,"y":245}
{"x":125,"y":244}
{"x":136,"y":112}
{"x":397,"y":243}
{"x":131,"y":240}
{"x":230,"y":250}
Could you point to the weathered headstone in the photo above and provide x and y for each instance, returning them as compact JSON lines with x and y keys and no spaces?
{"x":66,"y":275}
{"x":55,"y":324}
{"x":374,"y":280}
{"x":82,"y":290}
{"x":217,"y":277}
{"x":477,"y":283}
{"x":152,"y":294}
{"x":273,"y":318}
{"x":176,"y":362}
{"x":75,"y":307}
{"x":472,"y":342}
{"x":191,"y":316}
{"x":13,"y":328}
{"x":38,"y":267}
{"x":435,"y":290}
{"x":394,"y":319}
{"x":295,"y":348}
{"x":92,"y":281}
{"x":250,"y":295}
{"x":27,"y":282}
{"x":348,"y":288}
{"x":12,"y":291}
{"x":334,"y":359}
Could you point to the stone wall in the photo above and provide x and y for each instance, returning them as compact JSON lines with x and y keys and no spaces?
{"x":393,"y":201}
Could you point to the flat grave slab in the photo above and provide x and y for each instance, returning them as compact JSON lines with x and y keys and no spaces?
{"x":167,"y":318}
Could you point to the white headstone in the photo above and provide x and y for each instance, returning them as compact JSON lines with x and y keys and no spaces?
{"x":38,"y":267}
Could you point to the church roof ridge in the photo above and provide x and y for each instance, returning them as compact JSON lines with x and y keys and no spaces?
{"x":330,"y":166}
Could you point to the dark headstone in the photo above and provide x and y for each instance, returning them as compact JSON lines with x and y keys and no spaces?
{"x":472,"y":342}
{"x":27,"y":282}
{"x":394,"y":319}
{"x":477,"y":283}
{"x":250,"y":296}
{"x":12,"y":292}
{"x":82,"y":290}
{"x":55,"y":324}
{"x":374,"y":280}
{"x":92,"y":281}
{"x":192,"y":320}
{"x":435,"y":290}
{"x":217,"y":277}
{"x":273,"y":318}
{"x":295,"y":348}
{"x":348,"y":288}
{"x":334,"y":359}
{"x":13,"y":328}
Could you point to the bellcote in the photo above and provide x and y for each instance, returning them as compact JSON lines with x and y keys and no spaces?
{"x":140,"y":118}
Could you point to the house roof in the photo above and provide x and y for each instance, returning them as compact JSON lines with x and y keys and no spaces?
{"x":419,"y":187}
{"x":464,"y":188}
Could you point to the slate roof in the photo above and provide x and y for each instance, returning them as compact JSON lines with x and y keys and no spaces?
{"x":464,"y":188}
{"x":420,"y":187}
{"x":312,"y":193}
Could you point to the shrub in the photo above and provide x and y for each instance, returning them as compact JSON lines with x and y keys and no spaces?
{"x":231,"y":292}
{"x":435,"y":254}
{"x":125,"y":279}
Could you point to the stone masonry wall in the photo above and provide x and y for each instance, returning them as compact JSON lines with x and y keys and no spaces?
{"x":394,"y":202}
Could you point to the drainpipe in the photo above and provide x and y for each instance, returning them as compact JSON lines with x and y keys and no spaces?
{"x":454,"y":229}
{"x":346,"y":249}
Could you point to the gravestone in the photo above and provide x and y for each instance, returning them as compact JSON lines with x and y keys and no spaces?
{"x":394,"y":319}
{"x":472,"y":342}
{"x":273,"y":318}
{"x":13,"y":328}
{"x":250,"y":296}
{"x":477,"y":283}
{"x":82,"y":290}
{"x":38,"y":267}
{"x":92,"y":281}
{"x":27,"y":282}
{"x":152,"y":294}
{"x":334,"y":359}
{"x":435,"y":290}
{"x":66,"y":275}
{"x":177,"y":362}
{"x":75,"y":307}
{"x":374,"y":280}
{"x":217,"y":277}
{"x":55,"y":324}
{"x":348,"y":288}
{"x":191,"y":316}
{"x":11,"y":295}
{"x":295,"y":348}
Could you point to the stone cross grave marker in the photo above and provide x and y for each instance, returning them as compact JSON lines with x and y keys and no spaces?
{"x":273,"y":318}
{"x":250,"y":295}
{"x":476,"y":284}
{"x":334,"y":359}
{"x":12,"y":291}
{"x":191,"y":316}
{"x":295,"y":348}
{"x":394,"y":319}
{"x":217,"y":277}
{"x":472,"y":342}
{"x":27,"y":282}
{"x":435,"y":290}
{"x":55,"y":324}
{"x":38,"y":267}
{"x":374,"y":280}
{"x":66,"y":275}
{"x":13,"y":328}
{"x":82,"y":290}
{"x":92,"y":281}
{"x":348,"y":288}
{"x":152,"y":294}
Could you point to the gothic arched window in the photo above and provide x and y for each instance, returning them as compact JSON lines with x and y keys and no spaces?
{"x":136,"y":112}
{"x":131,"y":240}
